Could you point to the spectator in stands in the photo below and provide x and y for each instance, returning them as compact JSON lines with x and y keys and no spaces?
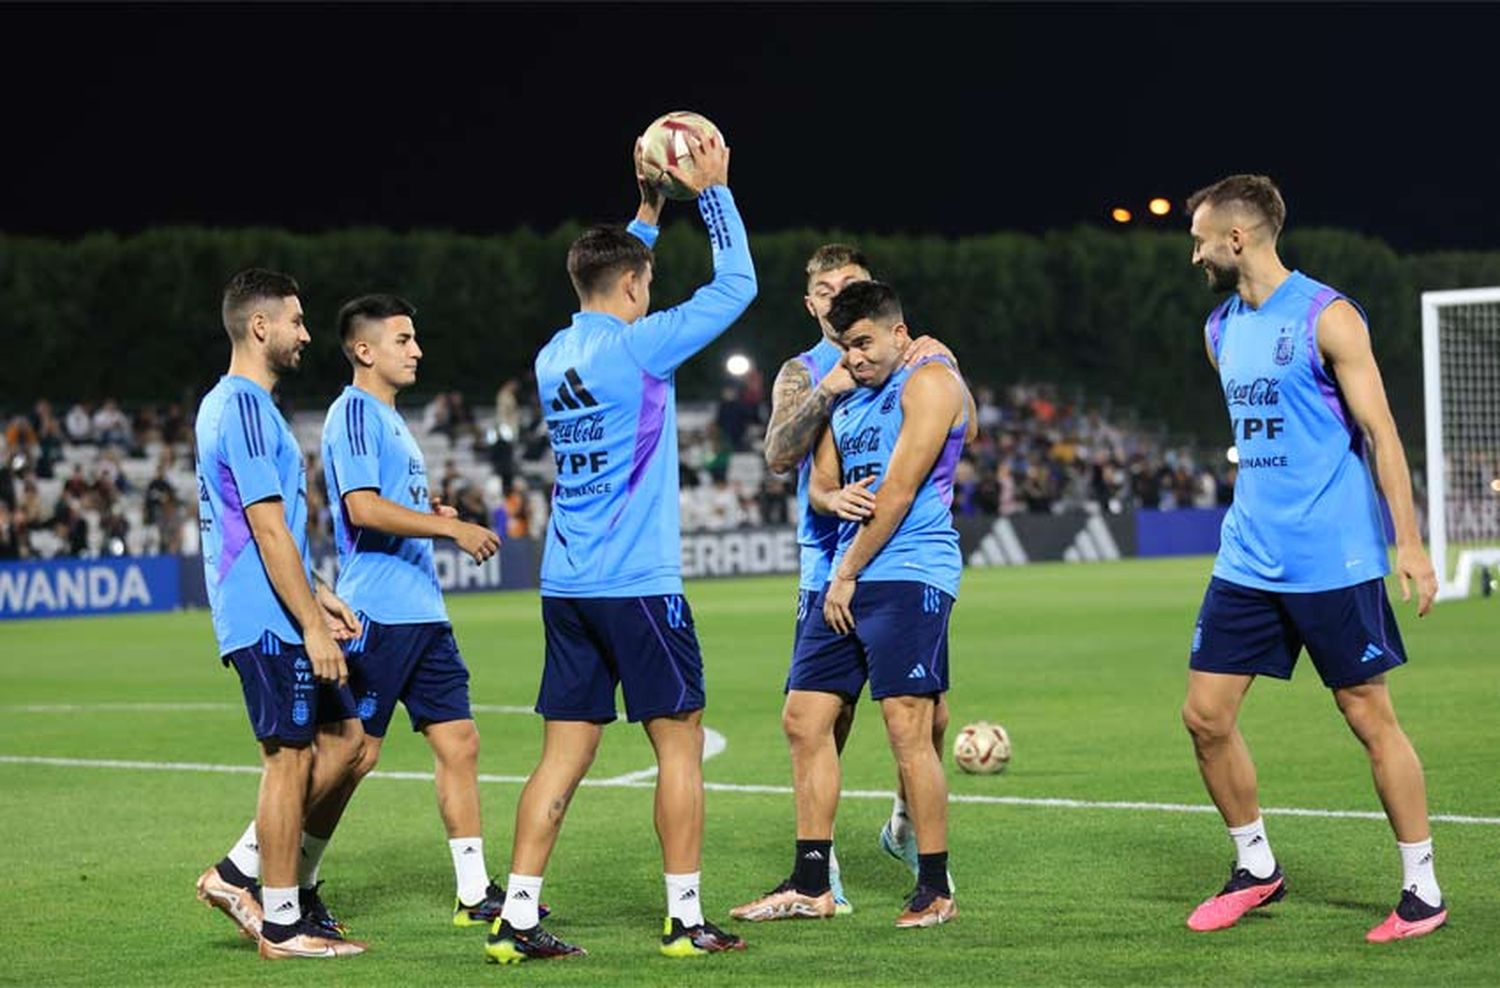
{"x":470,"y":506}
{"x":174,"y":425}
{"x":80,"y":424}
{"x":170,"y":520}
{"x":10,"y":533}
{"x":461,"y":418}
{"x":449,"y":484}
{"x":116,"y":531}
{"x":20,"y":436}
{"x":518,"y":510}
{"x":77,"y":485}
{"x":772,"y":502}
{"x":159,"y":490}
{"x":111,"y":427}
{"x":436,"y":417}
{"x":70,"y":525}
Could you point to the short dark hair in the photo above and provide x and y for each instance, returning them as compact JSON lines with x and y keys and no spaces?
{"x":603,"y":253}
{"x":831,"y":257}
{"x":370,"y":308}
{"x":249,"y":286}
{"x":864,"y":300}
{"x":1255,"y":192}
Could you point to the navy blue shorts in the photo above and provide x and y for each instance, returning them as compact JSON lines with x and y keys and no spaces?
{"x":645,"y":644}
{"x":283,"y":699}
{"x":1350,"y":633}
{"x":417,"y":664}
{"x":899,"y":645}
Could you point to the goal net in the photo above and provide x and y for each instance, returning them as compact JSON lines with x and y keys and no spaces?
{"x":1461,"y":378}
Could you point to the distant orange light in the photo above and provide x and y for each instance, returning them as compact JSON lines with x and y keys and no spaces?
{"x":1495,"y":485}
{"x":1159,"y":206}
{"x":1120,"y":214}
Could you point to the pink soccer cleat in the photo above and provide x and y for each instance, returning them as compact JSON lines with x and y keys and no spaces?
{"x":1412,"y":917}
{"x":1242,"y":893}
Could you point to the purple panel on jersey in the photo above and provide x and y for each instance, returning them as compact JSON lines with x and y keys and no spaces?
{"x":236,"y":530}
{"x":1216,"y":326}
{"x":648,"y":426}
{"x":1326,"y":386}
{"x":947,"y":463}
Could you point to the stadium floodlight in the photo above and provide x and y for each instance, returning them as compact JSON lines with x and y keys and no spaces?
{"x":1461,"y":381}
{"x":1159,"y":206}
{"x":738,"y":365}
{"x":1120,"y":214}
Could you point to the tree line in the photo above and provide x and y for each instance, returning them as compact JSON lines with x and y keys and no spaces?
{"x":1118,"y":315}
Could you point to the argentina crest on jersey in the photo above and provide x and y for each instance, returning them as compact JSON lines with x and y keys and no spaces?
{"x":1286,"y":347}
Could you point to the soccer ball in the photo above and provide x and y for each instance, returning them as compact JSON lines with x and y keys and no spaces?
{"x":982,"y":748}
{"x":666,"y":143}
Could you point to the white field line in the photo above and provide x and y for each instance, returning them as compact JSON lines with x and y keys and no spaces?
{"x":621,"y":782}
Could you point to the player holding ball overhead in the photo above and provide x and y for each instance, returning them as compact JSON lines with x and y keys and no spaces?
{"x":612,"y":602}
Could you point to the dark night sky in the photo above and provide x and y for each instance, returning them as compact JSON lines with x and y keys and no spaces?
{"x":914,"y":118}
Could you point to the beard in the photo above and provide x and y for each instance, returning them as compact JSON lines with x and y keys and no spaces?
{"x":1220,"y":279}
{"x":285,"y":360}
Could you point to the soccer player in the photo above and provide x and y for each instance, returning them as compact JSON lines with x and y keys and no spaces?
{"x":895,"y":572}
{"x":384,"y":521}
{"x":816,"y":718}
{"x":612,"y":597}
{"x":1303,"y":553}
{"x":279,"y":631}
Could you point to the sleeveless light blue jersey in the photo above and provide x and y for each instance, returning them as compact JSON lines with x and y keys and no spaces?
{"x":367,"y":446}
{"x":608,"y":393}
{"x":817,"y":535}
{"x":924,"y":548}
{"x":1306,"y":516}
{"x":246,"y":454}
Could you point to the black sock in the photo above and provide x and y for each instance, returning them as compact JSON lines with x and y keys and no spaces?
{"x":231,"y":874}
{"x":932,"y":871}
{"x":810,"y":872}
{"x":278,"y":932}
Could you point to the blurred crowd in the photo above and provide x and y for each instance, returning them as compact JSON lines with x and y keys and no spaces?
{"x":102,"y":480}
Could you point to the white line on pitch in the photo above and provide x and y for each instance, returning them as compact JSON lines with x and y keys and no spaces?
{"x":619,"y":783}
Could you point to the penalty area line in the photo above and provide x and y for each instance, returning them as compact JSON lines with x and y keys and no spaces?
{"x":633,"y":782}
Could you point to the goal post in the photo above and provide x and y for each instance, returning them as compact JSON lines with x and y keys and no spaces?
{"x":1461,"y":386}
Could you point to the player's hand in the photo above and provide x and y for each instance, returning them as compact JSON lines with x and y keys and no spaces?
{"x":342,"y":623}
{"x":836,"y":609}
{"x":854,"y":502}
{"x":443,"y":510}
{"x":326,"y":656}
{"x":1412,"y":564}
{"x":652,"y":198}
{"x":710,"y":163}
{"x":479,"y":542}
{"x":926,"y":346}
{"x":837,"y":381}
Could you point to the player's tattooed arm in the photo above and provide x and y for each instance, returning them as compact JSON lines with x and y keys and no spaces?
{"x":799,"y":411}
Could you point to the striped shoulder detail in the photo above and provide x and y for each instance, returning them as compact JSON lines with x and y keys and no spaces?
{"x":251,"y":424}
{"x":354,"y":426}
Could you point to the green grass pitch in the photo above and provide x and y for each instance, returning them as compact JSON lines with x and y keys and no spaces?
{"x":1083,"y":664}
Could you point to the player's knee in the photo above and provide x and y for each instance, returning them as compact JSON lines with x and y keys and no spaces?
{"x":804,"y":728}
{"x":1207,"y":726}
{"x":460,"y":746}
{"x":906,"y":724}
{"x":369,"y":755}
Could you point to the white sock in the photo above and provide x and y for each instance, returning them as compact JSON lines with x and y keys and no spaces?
{"x":282,"y":905}
{"x":472,"y":876}
{"x":311,"y":857}
{"x":246,"y":853}
{"x":683,"y":900}
{"x":1417,"y":873}
{"x":1253,"y":848}
{"x":900,"y":821}
{"x":522,"y":894}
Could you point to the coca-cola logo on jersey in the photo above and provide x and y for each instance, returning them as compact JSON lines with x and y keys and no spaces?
{"x":585,"y":429}
{"x":866,"y":440}
{"x":1261,"y":391}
